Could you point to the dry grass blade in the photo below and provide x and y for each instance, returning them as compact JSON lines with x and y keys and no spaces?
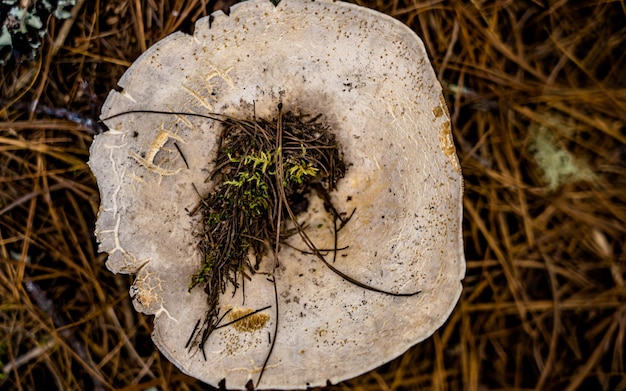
{"x":537,"y":97}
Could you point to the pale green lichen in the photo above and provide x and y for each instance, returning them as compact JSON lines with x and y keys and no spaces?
{"x":61,"y":11}
{"x":22,"y":26}
{"x":556,"y":163}
{"x":5,"y":37}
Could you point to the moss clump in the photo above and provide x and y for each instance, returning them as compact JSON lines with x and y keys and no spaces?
{"x":262,"y":168}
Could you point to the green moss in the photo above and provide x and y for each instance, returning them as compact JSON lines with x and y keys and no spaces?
{"x":240,"y":214}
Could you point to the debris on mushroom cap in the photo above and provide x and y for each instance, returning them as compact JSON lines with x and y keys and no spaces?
{"x":370,"y":79}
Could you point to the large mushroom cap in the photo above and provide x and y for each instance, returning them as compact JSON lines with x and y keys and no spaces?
{"x":370,"y":79}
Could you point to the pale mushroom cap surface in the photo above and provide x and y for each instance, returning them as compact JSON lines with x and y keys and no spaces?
{"x":369,"y":77}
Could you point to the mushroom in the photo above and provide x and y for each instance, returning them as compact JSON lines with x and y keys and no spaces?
{"x":369,"y":79}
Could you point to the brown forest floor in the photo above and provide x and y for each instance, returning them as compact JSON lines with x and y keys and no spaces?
{"x":537,"y":95}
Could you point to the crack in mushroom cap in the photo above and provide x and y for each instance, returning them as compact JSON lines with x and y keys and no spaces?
{"x":369,"y":77}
